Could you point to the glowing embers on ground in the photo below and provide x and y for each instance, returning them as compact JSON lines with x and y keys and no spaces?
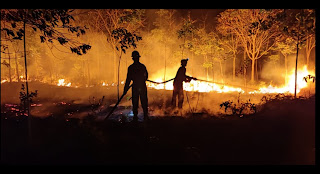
{"x":289,"y":87}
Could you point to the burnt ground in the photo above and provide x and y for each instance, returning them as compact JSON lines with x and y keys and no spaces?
{"x":281,"y":133}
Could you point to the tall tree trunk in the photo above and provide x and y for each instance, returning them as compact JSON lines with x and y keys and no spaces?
{"x":99,"y":69}
{"x":286,"y":68}
{"x":207,"y":68}
{"x":212,"y":69}
{"x":234,"y":66}
{"x":119,"y":76}
{"x":114,"y":64}
{"x":309,"y":47}
{"x":221,"y":72}
{"x":27,"y":86}
{"x":295,"y":78}
{"x":244,"y":68}
{"x":252,"y":69}
{"x":165,"y":65}
{"x":25,"y":64}
{"x":17,"y":67}
{"x":257,"y":69}
{"x":10,"y":78}
{"x":88,"y":71}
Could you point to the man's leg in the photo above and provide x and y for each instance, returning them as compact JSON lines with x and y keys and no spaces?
{"x":180,"y":98}
{"x":174,"y":97}
{"x":135,"y":104}
{"x":144,"y":103}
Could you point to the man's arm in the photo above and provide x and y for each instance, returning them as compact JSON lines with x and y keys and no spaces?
{"x":128,"y":80}
{"x":146,"y":75}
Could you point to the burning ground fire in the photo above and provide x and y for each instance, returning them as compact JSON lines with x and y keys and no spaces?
{"x":201,"y":86}
{"x":289,"y":87}
{"x":62,"y":83}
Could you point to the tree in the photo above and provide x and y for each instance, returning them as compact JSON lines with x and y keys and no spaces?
{"x":186,"y":33}
{"x":118,"y":26}
{"x":203,"y":44}
{"x":310,"y":44}
{"x":51,"y":24}
{"x":254,"y":28}
{"x":231,"y":44}
{"x":124,"y":40}
{"x":106,"y":21}
{"x":286,"y":46}
{"x":164,"y":33}
{"x":299,"y":24}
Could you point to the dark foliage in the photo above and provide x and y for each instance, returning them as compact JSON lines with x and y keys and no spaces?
{"x":45,"y":21}
{"x":125,"y":38}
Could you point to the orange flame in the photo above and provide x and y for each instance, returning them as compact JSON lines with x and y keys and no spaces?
{"x":289,"y":87}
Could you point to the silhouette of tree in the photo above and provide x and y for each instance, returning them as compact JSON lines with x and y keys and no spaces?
{"x":255,"y":29}
{"x":298,"y":24}
{"x":50,"y":23}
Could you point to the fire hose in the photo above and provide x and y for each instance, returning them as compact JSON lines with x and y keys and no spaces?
{"x":115,"y":106}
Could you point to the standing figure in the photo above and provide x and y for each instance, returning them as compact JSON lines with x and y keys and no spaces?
{"x":137,"y":72}
{"x":178,"y":84}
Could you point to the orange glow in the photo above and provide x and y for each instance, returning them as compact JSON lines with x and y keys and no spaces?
{"x":201,"y":86}
{"x":62,"y":83}
{"x":195,"y":85}
{"x":289,"y":87}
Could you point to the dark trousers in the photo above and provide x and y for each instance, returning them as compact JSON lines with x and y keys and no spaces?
{"x":177,"y":93}
{"x":142,"y":94}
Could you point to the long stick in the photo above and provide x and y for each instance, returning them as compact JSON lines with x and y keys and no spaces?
{"x":160,"y":82}
{"x":115,"y":106}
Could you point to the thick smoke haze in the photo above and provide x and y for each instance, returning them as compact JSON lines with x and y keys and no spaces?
{"x":159,"y":53}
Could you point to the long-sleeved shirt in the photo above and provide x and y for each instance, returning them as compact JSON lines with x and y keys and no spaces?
{"x":180,"y":77}
{"x":137,"y":72}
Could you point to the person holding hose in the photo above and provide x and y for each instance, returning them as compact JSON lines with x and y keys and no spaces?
{"x":178,"y":84}
{"x":137,"y":72}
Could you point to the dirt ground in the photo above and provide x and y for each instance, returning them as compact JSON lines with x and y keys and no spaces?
{"x":65,"y":130}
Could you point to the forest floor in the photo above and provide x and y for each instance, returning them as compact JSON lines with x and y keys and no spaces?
{"x":65,"y":129}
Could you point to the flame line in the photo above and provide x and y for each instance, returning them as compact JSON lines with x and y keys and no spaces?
{"x":227,"y":84}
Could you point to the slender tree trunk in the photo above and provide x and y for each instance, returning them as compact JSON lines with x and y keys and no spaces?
{"x":99,"y":69}
{"x":295,"y":78}
{"x":252,"y":69}
{"x":234,"y":66}
{"x":10,"y":78}
{"x":27,"y":86}
{"x":25,"y":63}
{"x":212,"y":69}
{"x":119,"y":76}
{"x":221,"y":72}
{"x":244,"y":65}
{"x":207,"y":68}
{"x":257,"y":69}
{"x":308,"y":56}
{"x":51,"y":76}
{"x":17,"y":67}
{"x":309,"y":47}
{"x":165,"y":65}
{"x":88,"y":71}
{"x":114,"y":64}
{"x":286,"y":68}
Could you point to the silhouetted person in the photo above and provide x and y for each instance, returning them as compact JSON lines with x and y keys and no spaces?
{"x":137,"y":72}
{"x":178,"y":84}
